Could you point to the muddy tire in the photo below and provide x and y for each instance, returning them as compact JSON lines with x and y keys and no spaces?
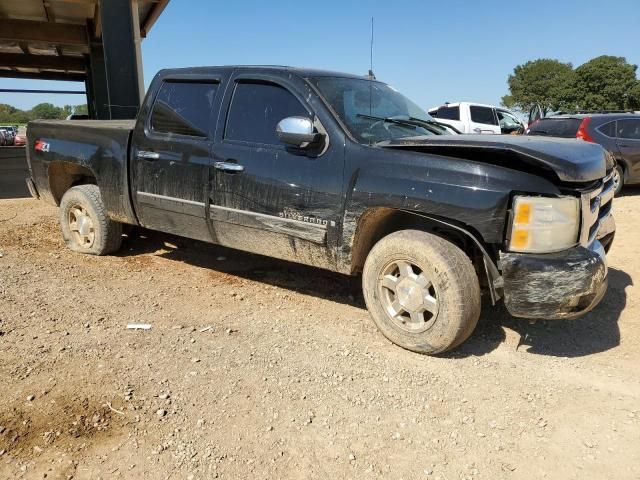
{"x":422,"y":291}
{"x":86,"y":228}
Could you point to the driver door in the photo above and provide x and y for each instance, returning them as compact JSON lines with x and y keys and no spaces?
{"x":509,"y":124}
{"x":266,"y":197}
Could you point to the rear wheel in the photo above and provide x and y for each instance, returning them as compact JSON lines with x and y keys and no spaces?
{"x":618,"y":179}
{"x":421,"y":291}
{"x":85,"y":226}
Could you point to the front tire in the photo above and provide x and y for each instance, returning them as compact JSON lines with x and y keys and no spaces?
{"x":421,"y":291}
{"x":85,"y":226}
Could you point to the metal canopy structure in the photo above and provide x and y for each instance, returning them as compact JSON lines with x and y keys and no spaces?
{"x":92,"y":41}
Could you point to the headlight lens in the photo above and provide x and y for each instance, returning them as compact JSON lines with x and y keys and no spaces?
{"x":543,"y":225}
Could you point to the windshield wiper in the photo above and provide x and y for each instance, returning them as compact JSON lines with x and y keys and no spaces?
{"x":434,"y":122}
{"x":413,"y":122}
{"x":397,"y":121}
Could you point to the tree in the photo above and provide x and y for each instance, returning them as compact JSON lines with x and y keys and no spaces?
{"x":46,"y":111}
{"x":81,"y":109}
{"x":634,"y":97}
{"x":605,"y":83}
{"x":545,"y":81}
{"x":67,"y":110}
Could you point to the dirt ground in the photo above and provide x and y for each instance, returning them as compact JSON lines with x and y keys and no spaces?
{"x":256,"y":368}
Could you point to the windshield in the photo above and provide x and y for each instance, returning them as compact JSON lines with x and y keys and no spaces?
{"x":373,"y":111}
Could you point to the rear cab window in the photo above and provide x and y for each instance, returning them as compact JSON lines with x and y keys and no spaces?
{"x":183,"y":108}
{"x":556,"y":127}
{"x":483,"y":115}
{"x":256,"y":108}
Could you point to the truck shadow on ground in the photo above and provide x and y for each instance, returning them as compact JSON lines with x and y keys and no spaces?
{"x":597,"y":331}
{"x":302,"y":279}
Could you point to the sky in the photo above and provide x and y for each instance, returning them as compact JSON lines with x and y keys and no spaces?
{"x":431,"y":50}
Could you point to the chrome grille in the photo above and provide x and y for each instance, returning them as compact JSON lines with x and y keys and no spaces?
{"x":596,"y":206}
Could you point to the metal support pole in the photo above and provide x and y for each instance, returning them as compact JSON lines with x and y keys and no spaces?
{"x":98,"y":75}
{"x":123,"y":72}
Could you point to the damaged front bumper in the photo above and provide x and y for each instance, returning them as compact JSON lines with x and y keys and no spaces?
{"x":560,"y":285}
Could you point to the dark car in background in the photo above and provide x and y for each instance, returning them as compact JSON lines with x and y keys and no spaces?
{"x":619,"y":133}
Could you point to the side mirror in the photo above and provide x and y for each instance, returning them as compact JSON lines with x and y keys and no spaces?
{"x":298,"y":132}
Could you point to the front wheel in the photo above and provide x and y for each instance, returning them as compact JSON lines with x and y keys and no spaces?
{"x":421,"y":291}
{"x":85,"y":226}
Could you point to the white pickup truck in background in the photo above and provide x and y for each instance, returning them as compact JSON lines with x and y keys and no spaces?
{"x":476,"y":118}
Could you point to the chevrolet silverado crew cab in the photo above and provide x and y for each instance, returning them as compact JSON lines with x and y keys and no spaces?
{"x":343,"y":173}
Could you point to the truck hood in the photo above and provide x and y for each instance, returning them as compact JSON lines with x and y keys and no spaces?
{"x":570,"y":160}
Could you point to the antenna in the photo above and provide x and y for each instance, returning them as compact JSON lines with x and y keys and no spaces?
{"x":371,"y":76}
{"x":371,"y":53}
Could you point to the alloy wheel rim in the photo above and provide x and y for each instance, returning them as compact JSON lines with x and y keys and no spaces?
{"x":408,"y":296}
{"x":81,"y":226}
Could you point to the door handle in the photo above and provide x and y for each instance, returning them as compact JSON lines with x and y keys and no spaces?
{"x":477,"y":130}
{"x":228,"y":167}
{"x":148,"y":155}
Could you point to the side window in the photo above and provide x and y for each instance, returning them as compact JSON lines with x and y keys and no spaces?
{"x":608,"y":129}
{"x":256,"y":109}
{"x":482,"y":115}
{"x":506,"y":120}
{"x":629,"y":129}
{"x":449,"y":113}
{"x":183,"y":108}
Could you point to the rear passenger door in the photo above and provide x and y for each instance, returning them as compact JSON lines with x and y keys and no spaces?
{"x":628,"y":139}
{"x":170,"y":155}
{"x":266,"y":197}
{"x":483,"y":120}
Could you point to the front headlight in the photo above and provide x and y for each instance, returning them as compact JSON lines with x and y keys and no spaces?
{"x":543,"y":224}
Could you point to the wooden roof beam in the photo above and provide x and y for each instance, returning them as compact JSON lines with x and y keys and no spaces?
{"x":43,"y":32}
{"x":51,"y":62}
{"x":152,"y":16}
{"x":67,"y":77}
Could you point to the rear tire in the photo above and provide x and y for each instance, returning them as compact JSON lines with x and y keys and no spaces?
{"x":618,"y":180}
{"x":421,"y":291}
{"x":85,"y":226}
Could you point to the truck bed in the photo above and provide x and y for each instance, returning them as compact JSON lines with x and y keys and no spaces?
{"x":83,"y":148}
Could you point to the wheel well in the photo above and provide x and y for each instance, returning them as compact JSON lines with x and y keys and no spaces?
{"x":64,"y":175}
{"x":377,"y":223}
{"x":624,"y":168}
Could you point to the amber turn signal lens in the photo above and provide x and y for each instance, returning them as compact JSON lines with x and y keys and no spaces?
{"x":523,"y":214}
{"x":520,"y":239}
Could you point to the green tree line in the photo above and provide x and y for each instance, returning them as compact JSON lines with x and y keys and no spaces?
{"x":14,"y":116}
{"x":603,"y":83}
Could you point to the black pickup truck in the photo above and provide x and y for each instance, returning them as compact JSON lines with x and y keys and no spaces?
{"x":344,"y":173}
